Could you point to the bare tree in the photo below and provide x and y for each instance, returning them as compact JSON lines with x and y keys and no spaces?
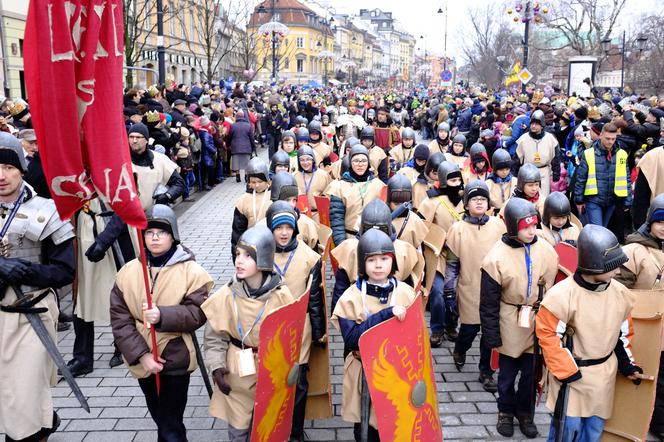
{"x":644,"y":69}
{"x":140,"y":21}
{"x":490,"y":46}
{"x":216,"y":29}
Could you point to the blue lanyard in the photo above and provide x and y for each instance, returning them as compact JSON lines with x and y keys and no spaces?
{"x":304,"y":178}
{"x":283,"y":273}
{"x":12,"y":214}
{"x":529,"y":269}
{"x":559,"y":239}
{"x":240,"y":330}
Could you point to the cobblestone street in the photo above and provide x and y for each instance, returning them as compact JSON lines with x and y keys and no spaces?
{"x":118,"y":411}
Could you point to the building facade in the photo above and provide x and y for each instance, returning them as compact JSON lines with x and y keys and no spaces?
{"x":12,"y":29}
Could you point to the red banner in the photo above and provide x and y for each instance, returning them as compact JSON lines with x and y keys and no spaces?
{"x":396,"y":357}
{"x":73,"y":53}
{"x":278,"y":368}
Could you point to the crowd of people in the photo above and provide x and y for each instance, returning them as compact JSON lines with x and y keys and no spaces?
{"x":456,"y":198}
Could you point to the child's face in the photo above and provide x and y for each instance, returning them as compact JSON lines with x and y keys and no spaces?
{"x":478,"y":206}
{"x":458,"y":148}
{"x":657,"y":229}
{"x":480,"y":165}
{"x":288,"y":145}
{"x":531,"y":189}
{"x":502,"y":173}
{"x":558,"y":221}
{"x":442,"y":134}
{"x":158,"y":241}
{"x":454,"y":182}
{"x":433,"y":175}
{"x":292,"y":201}
{"x":378,"y":267}
{"x":420,"y":162}
{"x":257,"y":184}
{"x":527,"y":235}
{"x":283,"y":234}
{"x":367,"y":142}
{"x":306,"y":162}
{"x":407,"y":142}
{"x":245,"y":266}
{"x":301,"y":143}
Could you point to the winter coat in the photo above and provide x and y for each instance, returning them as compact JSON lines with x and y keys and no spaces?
{"x":241,"y":138}
{"x":605,"y":172}
{"x":208,"y":149}
{"x":464,"y":120}
{"x":520,"y":126}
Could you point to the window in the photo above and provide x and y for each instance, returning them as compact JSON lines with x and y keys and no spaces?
{"x":299,"y":42}
{"x":286,"y":63}
{"x":300,"y":66}
{"x":148,"y":6}
{"x":172,"y":19}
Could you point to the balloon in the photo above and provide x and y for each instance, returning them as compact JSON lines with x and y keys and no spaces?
{"x":516,"y":19}
{"x":545,"y":10}
{"x":509,"y":11}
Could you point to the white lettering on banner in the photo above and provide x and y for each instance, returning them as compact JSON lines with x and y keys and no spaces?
{"x":85,"y":192}
{"x":85,"y":87}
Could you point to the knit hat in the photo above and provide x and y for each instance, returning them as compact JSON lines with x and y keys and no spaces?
{"x":526,"y":222}
{"x":476,"y":191}
{"x":597,"y":127}
{"x":421,"y":152}
{"x":581,"y":113}
{"x":657,"y":216}
{"x":283,"y":217}
{"x":11,"y":152}
{"x":179,"y":102}
{"x":139,"y":128}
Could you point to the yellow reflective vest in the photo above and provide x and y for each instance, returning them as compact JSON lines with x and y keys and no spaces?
{"x":620,"y":181}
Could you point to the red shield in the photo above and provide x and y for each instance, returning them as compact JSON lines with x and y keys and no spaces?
{"x":323,"y":207}
{"x":568,"y":260}
{"x":303,"y":205}
{"x":333,"y":157}
{"x":396,"y":357}
{"x":278,"y":357}
{"x":383,"y":194}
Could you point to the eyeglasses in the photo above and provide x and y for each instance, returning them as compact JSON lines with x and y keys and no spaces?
{"x":156,"y":233}
{"x":360,"y":161}
{"x":477,"y":199}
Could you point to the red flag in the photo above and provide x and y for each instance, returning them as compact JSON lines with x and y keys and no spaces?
{"x":73,"y":54}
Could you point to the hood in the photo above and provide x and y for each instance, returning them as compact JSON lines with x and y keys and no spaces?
{"x":643,"y":237}
{"x":182,"y":254}
{"x":272,"y":281}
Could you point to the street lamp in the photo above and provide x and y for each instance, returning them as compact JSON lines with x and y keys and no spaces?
{"x":274,"y":32}
{"x":440,"y":11}
{"x":606,"y":46}
{"x":525,"y":13}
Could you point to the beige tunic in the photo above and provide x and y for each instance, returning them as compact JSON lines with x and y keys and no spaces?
{"x":148,"y":179}
{"x":355,"y":196}
{"x":500,"y":193}
{"x":596,"y":318}
{"x":308,"y":230}
{"x":401,"y":155}
{"x":435,"y":147}
{"x":410,"y":262}
{"x":94,"y":279}
{"x":553,"y":237}
{"x":652,"y":166}
{"x":540,"y":153}
{"x":411,"y":228}
{"x":507,"y":266}
{"x":471,"y":243}
{"x":312,"y":186}
{"x":253,"y":206}
{"x":352,"y":307}
{"x":296,"y":277}
{"x":440,"y":211}
{"x":376,"y":156}
{"x":238,"y":407}
{"x":456,"y":159}
{"x":321,"y":151}
{"x":646,"y":263}
{"x":172,"y":284}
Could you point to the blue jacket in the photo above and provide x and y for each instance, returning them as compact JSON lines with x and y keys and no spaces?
{"x":520,"y":126}
{"x":606,"y":172}
{"x":241,"y":137}
{"x":464,"y":119}
{"x":208,"y":149}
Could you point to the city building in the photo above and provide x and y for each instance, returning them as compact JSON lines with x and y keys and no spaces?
{"x":303,"y":51}
{"x":12,"y":29}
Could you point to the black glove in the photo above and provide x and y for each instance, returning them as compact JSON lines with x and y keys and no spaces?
{"x":219,"y":378}
{"x":13,"y":270}
{"x":164,"y":198}
{"x":95,"y":252}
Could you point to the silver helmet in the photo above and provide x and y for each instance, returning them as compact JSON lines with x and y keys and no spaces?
{"x":501,"y":159}
{"x":556,"y":204}
{"x":302,"y":134}
{"x":358,"y":149}
{"x":517,"y":209}
{"x":279,"y":158}
{"x":408,"y":133}
{"x":283,"y":186}
{"x":257,"y":168}
{"x":162,"y":217}
{"x":368,"y":133}
{"x":373,"y":242}
{"x":599,"y":250}
{"x":444,"y":126}
{"x":377,"y":215}
{"x":537,"y":117}
{"x":460,"y":138}
{"x":477,"y":152}
{"x":399,"y":189}
{"x":528,"y":173}
{"x":447,"y":170}
{"x":259,"y":242}
{"x":433,"y":162}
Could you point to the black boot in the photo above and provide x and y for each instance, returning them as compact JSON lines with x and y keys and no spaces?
{"x":487,"y":381}
{"x":459,"y":360}
{"x":84,"y":341}
{"x":116,"y":360}
{"x":436,"y":339}
{"x":526,"y":425}
{"x":451,"y":334}
{"x":300,"y":405}
{"x":505,"y":425}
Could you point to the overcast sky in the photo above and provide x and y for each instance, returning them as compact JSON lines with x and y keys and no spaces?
{"x":420,"y":16}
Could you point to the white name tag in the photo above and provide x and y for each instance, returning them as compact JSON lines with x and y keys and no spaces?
{"x":246,"y":365}
{"x":524,"y":316}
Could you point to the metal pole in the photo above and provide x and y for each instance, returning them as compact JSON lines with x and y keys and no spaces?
{"x":5,"y":61}
{"x":445,"y":41}
{"x":622,"y":66}
{"x":525,"y":43}
{"x":274,"y":47}
{"x":161,"y":51}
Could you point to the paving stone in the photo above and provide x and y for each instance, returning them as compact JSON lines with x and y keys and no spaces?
{"x":136,"y":424}
{"x":91,"y":425}
{"x":464,"y":432}
{"x":115,"y":436}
